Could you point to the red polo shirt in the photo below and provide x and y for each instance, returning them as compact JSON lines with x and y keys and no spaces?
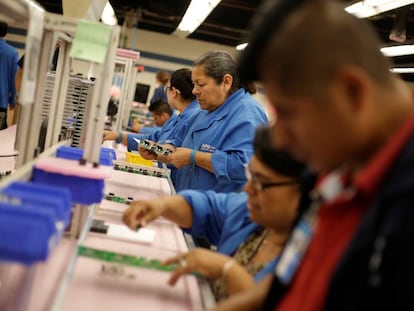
{"x":337,"y":222}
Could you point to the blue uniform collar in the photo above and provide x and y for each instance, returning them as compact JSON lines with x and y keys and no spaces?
{"x":227,"y":106}
{"x":221,"y":112}
{"x":190,"y":108}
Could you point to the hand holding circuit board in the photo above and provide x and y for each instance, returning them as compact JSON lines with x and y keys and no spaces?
{"x":150,"y":150}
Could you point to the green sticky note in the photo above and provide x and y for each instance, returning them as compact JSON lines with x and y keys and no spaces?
{"x":91,"y":41}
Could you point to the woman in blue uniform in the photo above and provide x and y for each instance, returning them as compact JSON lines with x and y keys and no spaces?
{"x":180,"y":97}
{"x":212,"y":153}
{"x":163,"y":117}
{"x":250,"y":226}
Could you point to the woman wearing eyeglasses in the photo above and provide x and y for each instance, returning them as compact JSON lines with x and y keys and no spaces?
{"x":179,"y":94}
{"x":249,"y":228}
{"x":180,"y":97}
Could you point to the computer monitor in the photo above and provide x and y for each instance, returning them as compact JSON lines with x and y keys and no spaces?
{"x":141,"y":93}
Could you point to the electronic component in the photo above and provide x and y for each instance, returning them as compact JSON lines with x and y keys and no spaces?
{"x":98,"y":226}
{"x":6,"y":173}
{"x":154,"y":147}
{"x":158,"y":149}
{"x":137,"y":169}
{"x":146,"y":144}
{"x":112,"y":197}
{"x":123,"y":259}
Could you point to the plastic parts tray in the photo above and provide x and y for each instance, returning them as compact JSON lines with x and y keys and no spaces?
{"x":49,"y":197}
{"x":28,"y":234}
{"x":107,"y":155}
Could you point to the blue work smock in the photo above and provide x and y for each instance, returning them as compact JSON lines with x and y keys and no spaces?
{"x":227,"y":133}
{"x":182,"y":123}
{"x":160,"y":134}
{"x":149,"y":129}
{"x":223,"y":220}
{"x":180,"y":127}
{"x":8,"y":69}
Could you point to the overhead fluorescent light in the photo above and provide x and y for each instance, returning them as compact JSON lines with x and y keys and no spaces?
{"x":108,"y":15}
{"x":196,"y":13}
{"x":403,"y":70}
{"x":241,"y":46}
{"x":398,"y":50}
{"x":367,"y":8}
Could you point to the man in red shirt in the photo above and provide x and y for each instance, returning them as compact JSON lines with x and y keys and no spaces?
{"x":342,"y":111}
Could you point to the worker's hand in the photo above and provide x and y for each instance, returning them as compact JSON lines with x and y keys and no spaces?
{"x":139,"y":213}
{"x":199,"y":260}
{"x":180,"y":157}
{"x":164,"y":157}
{"x":110,"y":135}
{"x":147,"y":154}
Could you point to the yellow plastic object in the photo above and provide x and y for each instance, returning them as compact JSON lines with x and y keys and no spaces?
{"x":136,"y":158}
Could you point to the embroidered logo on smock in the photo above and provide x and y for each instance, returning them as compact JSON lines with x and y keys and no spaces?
{"x":207,"y":148}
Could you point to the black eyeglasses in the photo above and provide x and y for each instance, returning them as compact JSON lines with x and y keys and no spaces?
{"x":259,"y":186}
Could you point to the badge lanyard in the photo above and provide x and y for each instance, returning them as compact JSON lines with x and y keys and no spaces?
{"x":297,"y":245}
{"x":330,"y":189}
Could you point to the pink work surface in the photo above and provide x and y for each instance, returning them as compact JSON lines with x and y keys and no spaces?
{"x":126,"y":185}
{"x":136,"y":288}
{"x":33,"y":288}
{"x":168,"y":236}
{"x":7,"y":138}
{"x":132,"y":183}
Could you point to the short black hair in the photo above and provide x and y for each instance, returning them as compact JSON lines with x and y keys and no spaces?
{"x":4,"y":28}
{"x":277,"y":160}
{"x":159,"y":107}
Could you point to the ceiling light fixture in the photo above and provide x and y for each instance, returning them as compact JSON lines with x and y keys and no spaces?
{"x":241,"y":46}
{"x":403,"y":70}
{"x":367,"y":8}
{"x":398,"y":50}
{"x":196,"y":13}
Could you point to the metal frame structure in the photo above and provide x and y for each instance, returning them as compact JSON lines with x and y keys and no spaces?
{"x":44,"y":31}
{"x":127,"y":87}
{"x":53,"y":28}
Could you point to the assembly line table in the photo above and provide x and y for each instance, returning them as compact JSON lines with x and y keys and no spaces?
{"x":67,"y":281}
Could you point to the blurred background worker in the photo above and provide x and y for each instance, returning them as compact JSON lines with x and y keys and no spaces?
{"x":8,"y":69}
{"x":161,"y":79}
{"x":163,"y":118}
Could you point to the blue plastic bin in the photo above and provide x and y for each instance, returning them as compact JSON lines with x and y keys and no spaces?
{"x":27,"y":234}
{"x":107,"y":155}
{"x":82,"y":190}
{"x":43,"y":196}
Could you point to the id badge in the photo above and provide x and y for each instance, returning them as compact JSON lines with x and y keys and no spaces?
{"x":294,"y":251}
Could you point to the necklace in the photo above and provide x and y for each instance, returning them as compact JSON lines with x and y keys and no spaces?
{"x":264,"y":241}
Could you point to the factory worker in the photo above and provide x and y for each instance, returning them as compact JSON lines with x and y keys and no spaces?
{"x":249,"y":228}
{"x":212,"y":153}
